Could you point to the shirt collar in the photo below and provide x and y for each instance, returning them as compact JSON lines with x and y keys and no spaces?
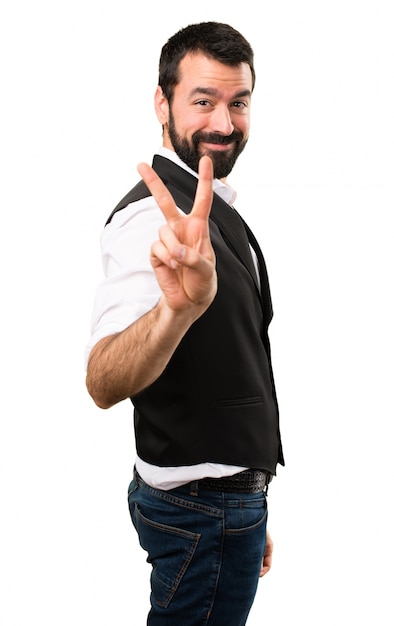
{"x":227,"y":193}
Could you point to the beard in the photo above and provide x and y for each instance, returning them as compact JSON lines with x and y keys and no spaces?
{"x":190,"y":153}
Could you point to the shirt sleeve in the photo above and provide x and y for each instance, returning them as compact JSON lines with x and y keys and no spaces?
{"x":129,"y":288}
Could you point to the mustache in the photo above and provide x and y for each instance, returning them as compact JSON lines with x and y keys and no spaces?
{"x":236,"y":136}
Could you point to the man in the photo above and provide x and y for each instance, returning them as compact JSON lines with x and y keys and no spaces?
{"x":180,"y":327}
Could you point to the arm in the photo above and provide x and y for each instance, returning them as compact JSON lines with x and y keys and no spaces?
{"x":123,"y":364}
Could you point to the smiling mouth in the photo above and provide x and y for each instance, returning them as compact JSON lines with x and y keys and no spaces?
{"x":216,"y":146}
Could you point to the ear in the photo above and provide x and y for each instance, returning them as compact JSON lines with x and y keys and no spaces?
{"x":161,"y":106}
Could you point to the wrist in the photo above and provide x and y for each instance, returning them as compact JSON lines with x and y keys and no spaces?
{"x":178,"y":320}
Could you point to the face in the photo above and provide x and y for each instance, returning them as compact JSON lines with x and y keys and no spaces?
{"x":209,"y":113}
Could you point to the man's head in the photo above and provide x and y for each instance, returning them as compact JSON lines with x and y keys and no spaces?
{"x":206,"y":78}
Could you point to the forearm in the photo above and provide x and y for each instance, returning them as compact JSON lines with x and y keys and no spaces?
{"x":122,"y":365}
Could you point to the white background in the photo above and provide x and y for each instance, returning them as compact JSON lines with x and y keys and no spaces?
{"x":315,"y":183}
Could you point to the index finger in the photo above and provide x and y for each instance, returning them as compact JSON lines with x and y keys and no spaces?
{"x":204,"y":192}
{"x":158,"y":190}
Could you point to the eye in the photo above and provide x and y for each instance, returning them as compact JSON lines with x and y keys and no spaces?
{"x":203,"y":103}
{"x":239,"y":104}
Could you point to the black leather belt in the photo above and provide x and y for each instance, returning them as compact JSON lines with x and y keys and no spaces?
{"x":248,"y":481}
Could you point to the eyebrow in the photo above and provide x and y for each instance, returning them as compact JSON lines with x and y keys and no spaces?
{"x":210,"y":91}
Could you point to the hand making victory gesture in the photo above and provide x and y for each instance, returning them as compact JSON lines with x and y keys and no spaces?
{"x":183,"y":258}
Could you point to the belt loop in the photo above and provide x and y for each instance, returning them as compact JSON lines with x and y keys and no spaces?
{"x":194,"y":488}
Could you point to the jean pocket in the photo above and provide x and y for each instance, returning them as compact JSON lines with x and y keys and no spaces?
{"x":170,"y":551}
{"x":248,"y":517}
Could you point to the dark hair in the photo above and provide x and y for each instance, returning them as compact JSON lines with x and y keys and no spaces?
{"x":215,"y":40}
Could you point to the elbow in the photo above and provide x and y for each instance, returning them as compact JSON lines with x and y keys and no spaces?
{"x":98,"y":395}
{"x":102,"y":403}
{"x":96,"y":379}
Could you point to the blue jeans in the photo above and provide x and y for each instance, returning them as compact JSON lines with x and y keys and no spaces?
{"x":205,"y":551}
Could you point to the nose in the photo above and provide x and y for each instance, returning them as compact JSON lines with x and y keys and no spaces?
{"x":221,"y":121}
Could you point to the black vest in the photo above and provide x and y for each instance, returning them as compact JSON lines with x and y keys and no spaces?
{"x":215,"y":401}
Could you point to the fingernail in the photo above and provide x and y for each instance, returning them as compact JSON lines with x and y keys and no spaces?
{"x":179,"y":253}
